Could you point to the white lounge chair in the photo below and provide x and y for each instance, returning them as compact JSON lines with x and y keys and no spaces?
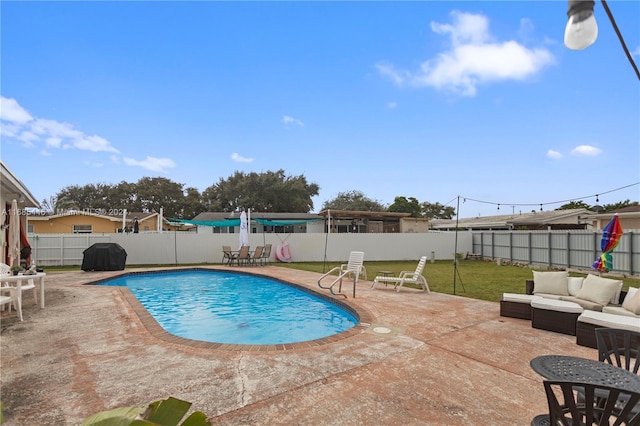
{"x":355,"y":267}
{"x":406,"y":277}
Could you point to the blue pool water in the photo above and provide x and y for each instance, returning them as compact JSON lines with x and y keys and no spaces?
{"x":226,"y":307}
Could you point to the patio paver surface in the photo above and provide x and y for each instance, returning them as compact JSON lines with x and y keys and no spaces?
{"x":447,"y":360}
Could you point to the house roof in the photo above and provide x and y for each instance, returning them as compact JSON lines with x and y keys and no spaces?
{"x":631,"y":211}
{"x":92,"y":212}
{"x":569,"y":217}
{"x":356,"y":214}
{"x":12,"y":188}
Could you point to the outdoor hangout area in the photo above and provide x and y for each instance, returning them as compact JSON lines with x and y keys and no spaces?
{"x":416,"y":357}
{"x":576,"y":306}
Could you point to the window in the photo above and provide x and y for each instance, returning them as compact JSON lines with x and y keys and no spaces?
{"x":82,"y":229}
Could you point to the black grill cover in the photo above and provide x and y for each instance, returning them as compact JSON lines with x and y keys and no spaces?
{"x":104,"y":257}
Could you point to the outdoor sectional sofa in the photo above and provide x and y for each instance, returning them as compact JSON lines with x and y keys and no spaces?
{"x":555,"y":301}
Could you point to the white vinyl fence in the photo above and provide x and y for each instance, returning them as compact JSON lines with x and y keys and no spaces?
{"x":173,"y":248}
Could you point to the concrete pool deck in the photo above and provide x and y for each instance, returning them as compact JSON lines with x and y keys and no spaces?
{"x":446,"y":360}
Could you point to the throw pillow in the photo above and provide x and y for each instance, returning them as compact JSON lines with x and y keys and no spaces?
{"x":550,"y":282}
{"x":616,"y":297}
{"x":574,"y":284}
{"x":627,"y":299}
{"x":597,"y":289}
{"x":634,"y":303}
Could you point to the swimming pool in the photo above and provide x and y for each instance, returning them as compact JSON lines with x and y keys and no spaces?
{"x":236,"y":308}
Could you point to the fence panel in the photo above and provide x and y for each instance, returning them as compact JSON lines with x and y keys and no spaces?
{"x":558,"y":249}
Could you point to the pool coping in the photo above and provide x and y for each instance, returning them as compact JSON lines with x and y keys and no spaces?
{"x":364,"y":318}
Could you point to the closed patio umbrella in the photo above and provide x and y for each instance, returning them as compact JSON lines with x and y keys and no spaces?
{"x":13,"y":242}
{"x":244,"y":230}
{"x":611,"y":235}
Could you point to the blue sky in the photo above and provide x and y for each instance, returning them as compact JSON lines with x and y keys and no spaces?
{"x":424,"y":99}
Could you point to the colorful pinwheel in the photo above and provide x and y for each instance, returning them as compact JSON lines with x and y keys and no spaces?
{"x":610,"y":238}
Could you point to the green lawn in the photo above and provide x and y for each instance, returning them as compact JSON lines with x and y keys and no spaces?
{"x":475,"y":279}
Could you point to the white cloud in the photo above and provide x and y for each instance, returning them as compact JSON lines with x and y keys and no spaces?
{"x":392,"y":105}
{"x":398,"y":77}
{"x":586,"y":151}
{"x":286,"y":119}
{"x":53,"y":142}
{"x":153,"y":164}
{"x":554,"y":155}
{"x":473,"y":58}
{"x":636,"y":52}
{"x":240,"y":159}
{"x":12,"y":112}
{"x":18,"y":124}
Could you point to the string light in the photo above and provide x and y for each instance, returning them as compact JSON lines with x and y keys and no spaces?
{"x":551,"y":202}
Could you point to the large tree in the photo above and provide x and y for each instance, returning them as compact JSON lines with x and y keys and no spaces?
{"x":266,"y":192}
{"x":91,"y":196}
{"x":437,"y":211}
{"x":146,"y":195}
{"x":155,"y":193}
{"x":353,"y":200}
{"x":403,"y":205}
{"x":574,"y":205}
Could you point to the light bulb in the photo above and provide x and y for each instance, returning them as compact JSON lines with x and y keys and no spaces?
{"x":581,"y":30}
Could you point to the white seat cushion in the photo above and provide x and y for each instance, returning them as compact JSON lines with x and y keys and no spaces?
{"x":604,"y":319}
{"x":518,"y":298}
{"x":556,"y":305}
{"x":619,"y":310}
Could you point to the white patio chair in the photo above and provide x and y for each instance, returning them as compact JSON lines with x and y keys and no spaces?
{"x":354,"y":267}
{"x":406,"y":277}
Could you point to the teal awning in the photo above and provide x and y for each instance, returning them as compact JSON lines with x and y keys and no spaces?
{"x":214,"y":223}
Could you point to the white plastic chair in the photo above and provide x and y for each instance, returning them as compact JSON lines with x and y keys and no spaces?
{"x":5,"y":286}
{"x":355,"y":267}
{"x":413,"y":277}
{"x":10,"y":296}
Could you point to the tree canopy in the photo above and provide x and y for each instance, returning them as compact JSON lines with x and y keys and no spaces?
{"x":354,"y":200}
{"x":271,"y":191}
{"x":437,"y":211}
{"x":404,"y":205}
{"x":267,"y":192}
{"x":597,"y":208}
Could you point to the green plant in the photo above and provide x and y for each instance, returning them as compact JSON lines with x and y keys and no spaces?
{"x":168,"y":412}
